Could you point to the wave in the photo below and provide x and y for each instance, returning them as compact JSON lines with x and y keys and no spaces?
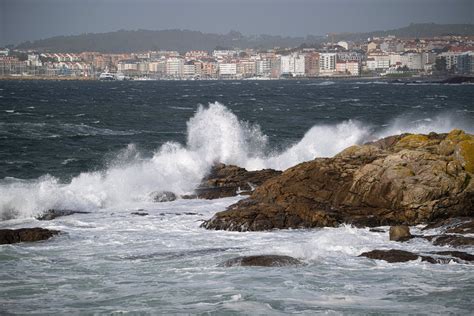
{"x":214,"y":134}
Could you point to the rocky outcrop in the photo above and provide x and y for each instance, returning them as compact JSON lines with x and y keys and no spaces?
{"x":451,"y":231}
{"x":394,"y":255}
{"x":53,"y":213}
{"x":405,"y":179}
{"x":451,"y":240}
{"x":227,"y":180}
{"x":262,"y":261}
{"x":11,"y":236}
{"x":400,"y":233}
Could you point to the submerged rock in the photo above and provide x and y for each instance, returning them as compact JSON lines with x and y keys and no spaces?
{"x":262,"y":261}
{"x":391,"y":255}
{"x":11,"y":236}
{"x":227,"y":180}
{"x":53,"y":213}
{"x":163,"y":196}
{"x":394,"y":255}
{"x":138,"y":213}
{"x":400,"y":233}
{"x":405,"y":179}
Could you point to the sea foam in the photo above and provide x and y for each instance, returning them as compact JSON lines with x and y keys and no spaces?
{"x":214,"y":134}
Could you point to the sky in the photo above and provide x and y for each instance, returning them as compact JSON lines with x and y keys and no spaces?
{"x":22,"y":20}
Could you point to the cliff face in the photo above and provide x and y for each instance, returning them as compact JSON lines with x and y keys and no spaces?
{"x":404,"y":179}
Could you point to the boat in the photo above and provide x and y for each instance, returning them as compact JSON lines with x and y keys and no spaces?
{"x":107,"y":76}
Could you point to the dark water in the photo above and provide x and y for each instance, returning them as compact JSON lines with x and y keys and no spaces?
{"x":112,"y":262}
{"x":66,"y":127}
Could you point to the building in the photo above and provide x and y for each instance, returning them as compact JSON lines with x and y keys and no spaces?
{"x":247,"y":68}
{"x":263,"y":67}
{"x":411,"y":60}
{"x":378,"y":62}
{"x":351,"y":68}
{"x":343,"y":44}
{"x":174,"y":67}
{"x":189,"y":69}
{"x":311,"y":64}
{"x":327,"y":63}
{"x":292,"y":65}
{"x":372,"y":46}
{"x":228,"y":70}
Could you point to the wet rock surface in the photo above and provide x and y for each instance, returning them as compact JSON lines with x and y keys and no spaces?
{"x":405,"y":179}
{"x":262,"y":261}
{"x":139,"y":213}
{"x":441,"y":257}
{"x":400,"y":233}
{"x":54,"y":213}
{"x":11,"y":236}
{"x":228,"y":180}
{"x":451,"y":240}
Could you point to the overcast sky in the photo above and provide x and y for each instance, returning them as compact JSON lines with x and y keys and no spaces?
{"x":22,"y":20}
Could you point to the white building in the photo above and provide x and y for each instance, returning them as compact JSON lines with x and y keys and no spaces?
{"x":293,"y":64}
{"x":174,"y":67}
{"x":411,"y":60}
{"x":228,"y":69}
{"x":264,"y":67}
{"x":378,"y":62}
{"x":343,"y":44}
{"x":327,"y":63}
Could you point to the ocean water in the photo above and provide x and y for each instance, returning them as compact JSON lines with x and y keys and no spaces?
{"x":103,"y":147}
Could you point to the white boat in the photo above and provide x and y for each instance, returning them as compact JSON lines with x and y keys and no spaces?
{"x":107,"y":75}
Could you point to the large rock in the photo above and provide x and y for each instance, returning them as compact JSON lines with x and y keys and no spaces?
{"x":11,"y":236}
{"x":400,"y":233}
{"x":227,"y":180}
{"x":405,"y":179}
{"x":262,"y":261}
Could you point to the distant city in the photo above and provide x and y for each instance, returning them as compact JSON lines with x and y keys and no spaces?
{"x":378,"y":56}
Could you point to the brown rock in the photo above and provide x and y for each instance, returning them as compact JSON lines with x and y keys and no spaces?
{"x":400,"y":233}
{"x":451,"y":240}
{"x":399,"y":180}
{"x":457,"y":254}
{"x":227,"y":180}
{"x":262,"y":261}
{"x":11,"y":236}
{"x":391,"y":255}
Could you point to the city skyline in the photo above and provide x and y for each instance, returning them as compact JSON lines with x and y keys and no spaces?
{"x":29,"y":20}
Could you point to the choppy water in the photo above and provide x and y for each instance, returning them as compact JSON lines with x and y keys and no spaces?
{"x":104,"y":146}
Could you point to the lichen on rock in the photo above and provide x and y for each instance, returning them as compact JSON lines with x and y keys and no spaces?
{"x":402,"y":179}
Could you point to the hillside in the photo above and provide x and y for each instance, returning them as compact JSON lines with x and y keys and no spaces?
{"x":183,"y":40}
{"x":414,"y":30}
{"x":143,"y":40}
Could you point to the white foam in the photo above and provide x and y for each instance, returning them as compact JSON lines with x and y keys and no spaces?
{"x":214,"y":134}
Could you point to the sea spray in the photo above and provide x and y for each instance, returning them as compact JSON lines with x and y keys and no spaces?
{"x":214,"y":134}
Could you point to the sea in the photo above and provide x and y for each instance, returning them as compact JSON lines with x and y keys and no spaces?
{"x":105,"y":147}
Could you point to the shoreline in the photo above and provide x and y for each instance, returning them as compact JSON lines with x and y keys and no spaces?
{"x":336,"y":78}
